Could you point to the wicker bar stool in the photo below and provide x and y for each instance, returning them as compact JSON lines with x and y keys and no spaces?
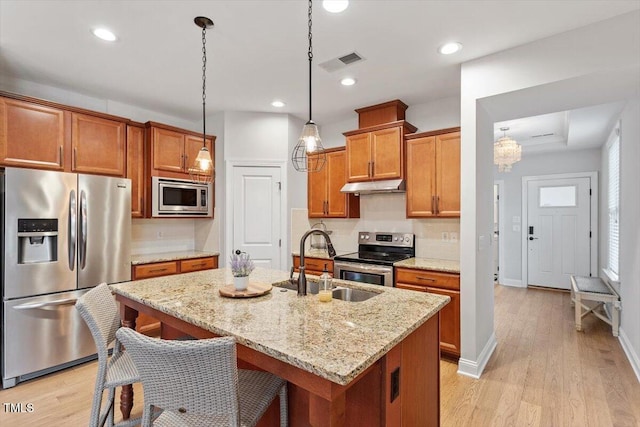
{"x":197,"y":383}
{"x":100,"y":312}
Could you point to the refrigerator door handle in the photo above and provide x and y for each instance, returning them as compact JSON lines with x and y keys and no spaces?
{"x":82,"y":262}
{"x":33,"y":305}
{"x":73,"y":226}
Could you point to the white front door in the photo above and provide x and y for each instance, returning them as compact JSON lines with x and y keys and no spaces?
{"x":558,"y":231}
{"x":256,"y":214}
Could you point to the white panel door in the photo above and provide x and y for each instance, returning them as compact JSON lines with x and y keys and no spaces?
{"x":256,"y":214}
{"x":558,"y":234}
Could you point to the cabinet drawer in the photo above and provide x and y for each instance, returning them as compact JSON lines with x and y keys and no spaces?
{"x":315,"y":264}
{"x":146,"y":271}
{"x":428,"y":278}
{"x":196,"y":264}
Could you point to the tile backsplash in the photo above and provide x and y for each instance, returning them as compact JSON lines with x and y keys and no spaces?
{"x":435,"y":237}
{"x":157,"y":235}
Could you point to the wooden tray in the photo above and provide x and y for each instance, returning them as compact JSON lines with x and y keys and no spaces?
{"x":253,"y":290}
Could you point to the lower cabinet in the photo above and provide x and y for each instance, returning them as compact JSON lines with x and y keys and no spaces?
{"x":447,"y":284}
{"x":313,"y":266}
{"x":149,"y":325}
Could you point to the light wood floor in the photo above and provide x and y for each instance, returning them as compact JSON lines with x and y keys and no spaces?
{"x":543,"y":373}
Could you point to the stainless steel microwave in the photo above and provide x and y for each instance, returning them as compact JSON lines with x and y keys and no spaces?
{"x":177,"y":198}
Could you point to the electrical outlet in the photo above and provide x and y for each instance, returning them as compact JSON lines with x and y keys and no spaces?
{"x":516,"y":227}
{"x":445,"y":236}
{"x":159,"y":235}
{"x":453,"y":236}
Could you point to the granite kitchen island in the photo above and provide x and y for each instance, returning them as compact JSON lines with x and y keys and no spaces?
{"x":374,"y":362}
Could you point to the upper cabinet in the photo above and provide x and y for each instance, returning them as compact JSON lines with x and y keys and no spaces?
{"x":136,"y":168}
{"x":376,"y":150}
{"x":39,"y":134}
{"x":173,"y":151}
{"x":324,"y":197}
{"x":34,"y":136}
{"x":433,"y":174}
{"x":98,"y":144}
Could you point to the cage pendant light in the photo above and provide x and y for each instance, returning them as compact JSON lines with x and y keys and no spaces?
{"x":506,"y":152}
{"x":203,"y":169}
{"x":308,"y":154}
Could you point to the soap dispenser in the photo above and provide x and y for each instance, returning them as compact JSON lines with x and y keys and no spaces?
{"x":325,"y":294}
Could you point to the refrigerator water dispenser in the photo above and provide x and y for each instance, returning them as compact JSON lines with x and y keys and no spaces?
{"x":37,"y":240}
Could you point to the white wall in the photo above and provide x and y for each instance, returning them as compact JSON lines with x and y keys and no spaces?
{"x":587,"y":66}
{"x":530,"y":165}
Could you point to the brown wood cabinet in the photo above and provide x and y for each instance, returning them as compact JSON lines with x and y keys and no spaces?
{"x":98,"y":145}
{"x":324,"y":198}
{"x":443,"y":284}
{"x":33,"y":135}
{"x":150,"y":325}
{"x":173,"y":151}
{"x":136,"y":168}
{"x":377,"y":152}
{"x":433,"y":174}
{"x":312,"y":265}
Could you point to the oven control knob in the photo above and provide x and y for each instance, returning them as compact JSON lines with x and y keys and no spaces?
{"x":406,"y":239}
{"x":396,"y":239}
{"x":367,"y":237}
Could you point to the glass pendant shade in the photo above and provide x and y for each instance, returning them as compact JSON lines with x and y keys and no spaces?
{"x":203,"y":161}
{"x":506,"y":152}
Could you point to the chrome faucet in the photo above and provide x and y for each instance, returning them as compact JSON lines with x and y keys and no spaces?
{"x":302,"y":278}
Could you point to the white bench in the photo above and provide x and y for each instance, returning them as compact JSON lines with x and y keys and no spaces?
{"x":596,"y":290}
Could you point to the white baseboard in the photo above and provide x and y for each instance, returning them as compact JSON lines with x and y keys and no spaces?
{"x":513,"y":282}
{"x":630,"y":352}
{"x":474,"y":368}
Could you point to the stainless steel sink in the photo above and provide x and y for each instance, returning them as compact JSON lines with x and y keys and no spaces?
{"x":352,"y":295}
{"x":313,"y":286}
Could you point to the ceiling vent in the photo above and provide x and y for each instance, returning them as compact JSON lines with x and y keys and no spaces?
{"x":542,"y":135}
{"x":341,"y":62}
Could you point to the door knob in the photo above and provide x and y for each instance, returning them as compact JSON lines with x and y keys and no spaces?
{"x":238,"y":252}
{"x":531,"y":238}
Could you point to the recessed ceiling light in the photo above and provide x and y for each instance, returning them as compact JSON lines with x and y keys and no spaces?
{"x":335,"y":6}
{"x":348,"y":81}
{"x":278,"y":103}
{"x":449,"y":48}
{"x":104,"y":34}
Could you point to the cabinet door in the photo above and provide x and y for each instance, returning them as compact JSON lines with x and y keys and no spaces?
{"x":448,"y":174}
{"x":98,"y":145}
{"x":421,"y":186}
{"x":135,"y":169}
{"x":168,"y":150}
{"x":359,"y":157}
{"x":32,"y":135}
{"x":317,"y":191}
{"x":336,"y":178}
{"x":386,"y":153}
{"x":449,"y":322}
{"x":192,"y":145}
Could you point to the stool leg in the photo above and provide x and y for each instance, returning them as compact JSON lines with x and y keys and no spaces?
{"x":578,"y":312}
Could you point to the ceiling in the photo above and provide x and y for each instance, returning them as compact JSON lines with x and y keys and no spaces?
{"x":257,"y":51}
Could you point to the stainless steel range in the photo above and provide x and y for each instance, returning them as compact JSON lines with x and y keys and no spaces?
{"x":373,"y":263}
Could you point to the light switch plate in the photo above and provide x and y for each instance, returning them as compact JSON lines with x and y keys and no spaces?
{"x":445,"y":236}
{"x":453,"y":236}
{"x":515,"y":219}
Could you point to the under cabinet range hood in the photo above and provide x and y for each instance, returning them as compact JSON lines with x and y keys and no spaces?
{"x":373,"y":187}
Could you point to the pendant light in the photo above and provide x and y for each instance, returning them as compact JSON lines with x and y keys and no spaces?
{"x":203,"y":169}
{"x":506,"y":152}
{"x":308,"y":154}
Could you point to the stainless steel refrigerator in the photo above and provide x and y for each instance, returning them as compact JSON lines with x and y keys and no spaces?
{"x":62,"y":234}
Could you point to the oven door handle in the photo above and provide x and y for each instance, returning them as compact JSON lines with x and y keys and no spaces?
{"x":364,"y":267}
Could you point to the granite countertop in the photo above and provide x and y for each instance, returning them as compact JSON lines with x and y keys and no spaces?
{"x":336,"y":340}
{"x":443,"y":265}
{"x":169,"y":256}
{"x":318,"y":253}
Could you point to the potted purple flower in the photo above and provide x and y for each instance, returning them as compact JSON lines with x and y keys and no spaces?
{"x":241,"y":266}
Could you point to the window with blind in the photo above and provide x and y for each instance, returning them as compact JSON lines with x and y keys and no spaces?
{"x":613,"y":197}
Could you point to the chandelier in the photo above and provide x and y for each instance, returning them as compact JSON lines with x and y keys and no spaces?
{"x":308,"y":155}
{"x":203,"y":169}
{"x":506,"y":152}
